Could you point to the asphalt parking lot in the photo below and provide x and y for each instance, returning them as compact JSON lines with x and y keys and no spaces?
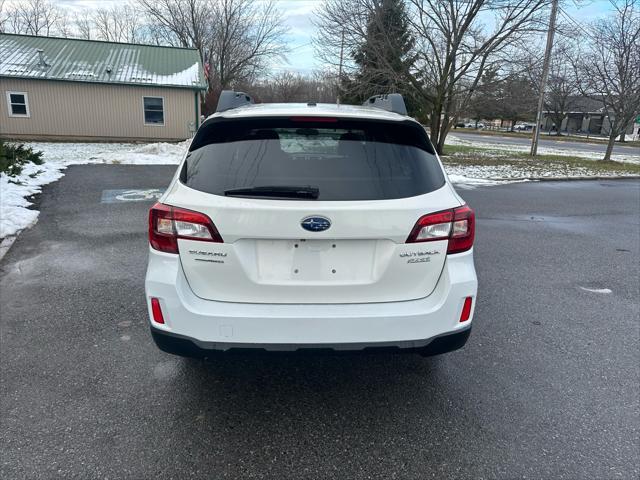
{"x":547,"y":387}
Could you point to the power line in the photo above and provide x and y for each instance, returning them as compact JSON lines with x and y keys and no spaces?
{"x":575,"y":23}
{"x":301,"y":46}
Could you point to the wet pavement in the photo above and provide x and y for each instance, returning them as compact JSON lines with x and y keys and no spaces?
{"x":547,"y":387}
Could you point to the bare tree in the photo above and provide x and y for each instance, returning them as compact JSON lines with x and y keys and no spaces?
{"x":84,"y":25}
{"x":183,"y":23}
{"x":235,"y":38}
{"x":562,"y":94}
{"x":288,"y":87}
{"x":35,"y":17}
{"x":11,"y":21}
{"x":245,"y":37}
{"x":560,"y":99}
{"x":120,"y":23}
{"x":453,"y":46}
{"x":4,"y":16}
{"x":294,"y":87}
{"x":323,"y":87}
{"x":608,"y":71}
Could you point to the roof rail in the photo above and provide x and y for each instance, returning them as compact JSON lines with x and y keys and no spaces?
{"x":392,"y":102}
{"x":230,"y":99}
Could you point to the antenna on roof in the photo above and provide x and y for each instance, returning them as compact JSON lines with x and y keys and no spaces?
{"x":340,"y":69}
{"x":392,"y":102}
{"x":230,"y":99}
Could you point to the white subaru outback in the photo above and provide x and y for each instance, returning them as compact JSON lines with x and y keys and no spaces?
{"x":310,"y":226}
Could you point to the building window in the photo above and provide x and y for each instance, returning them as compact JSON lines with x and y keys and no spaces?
{"x":18,"y":104}
{"x":153,"y":110}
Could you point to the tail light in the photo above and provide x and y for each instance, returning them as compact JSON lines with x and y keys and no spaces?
{"x":167,"y":224}
{"x":457,"y":226}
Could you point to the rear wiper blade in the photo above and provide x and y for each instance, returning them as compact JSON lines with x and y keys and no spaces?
{"x":275,"y":191}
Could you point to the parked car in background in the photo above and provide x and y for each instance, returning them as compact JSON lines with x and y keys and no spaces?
{"x":523,"y":127}
{"x":301,"y":226}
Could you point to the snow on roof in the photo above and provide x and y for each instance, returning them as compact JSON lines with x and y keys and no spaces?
{"x":25,"y":56}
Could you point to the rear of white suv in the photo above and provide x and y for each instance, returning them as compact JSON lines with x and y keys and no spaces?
{"x":294,"y":226}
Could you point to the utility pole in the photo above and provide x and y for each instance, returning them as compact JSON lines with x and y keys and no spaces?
{"x":340,"y":69}
{"x":545,"y":75}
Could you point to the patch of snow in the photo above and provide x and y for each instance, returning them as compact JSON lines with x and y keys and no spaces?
{"x":467,"y":182}
{"x":62,"y":155}
{"x":542,"y":150}
{"x":80,"y":73}
{"x":188,"y":76}
{"x":518,"y":170}
{"x":150,"y":154}
{"x":596,"y":290}
{"x":15,"y":214}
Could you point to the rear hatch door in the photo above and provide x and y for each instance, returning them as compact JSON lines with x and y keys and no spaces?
{"x":344,"y":245}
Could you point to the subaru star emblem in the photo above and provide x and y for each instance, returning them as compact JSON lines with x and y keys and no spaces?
{"x":315,"y":224}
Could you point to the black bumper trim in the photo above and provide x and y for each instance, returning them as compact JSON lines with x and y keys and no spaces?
{"x":189,"y":347}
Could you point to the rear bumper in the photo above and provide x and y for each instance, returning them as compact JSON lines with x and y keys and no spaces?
{"x":189,"y":347}
{"x":208,"y":325}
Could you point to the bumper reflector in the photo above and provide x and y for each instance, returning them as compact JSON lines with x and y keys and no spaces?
{"x":466,"y":310}
{"x":156,"y":310}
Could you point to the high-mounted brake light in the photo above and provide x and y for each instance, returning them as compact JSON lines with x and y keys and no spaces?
{"x":167,"y":224}
{"x":315,"y":119}
{"x":457,"y":225}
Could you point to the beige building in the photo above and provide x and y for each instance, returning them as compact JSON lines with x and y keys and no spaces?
{"x":584,"y":115}
{"x":85,"y":90}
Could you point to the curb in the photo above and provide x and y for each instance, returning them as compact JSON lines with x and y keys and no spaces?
{"x":565,"y":179}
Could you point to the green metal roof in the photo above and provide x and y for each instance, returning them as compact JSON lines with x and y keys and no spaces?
{"x":93,"y":61}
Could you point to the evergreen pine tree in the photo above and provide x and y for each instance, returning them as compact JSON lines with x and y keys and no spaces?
{"x":384,"y":58}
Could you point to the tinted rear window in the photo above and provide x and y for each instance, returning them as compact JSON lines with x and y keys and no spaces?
{"x":345,"y":159}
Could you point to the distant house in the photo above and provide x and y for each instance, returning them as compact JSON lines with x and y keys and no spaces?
{"x":586,"y":115}
{"x":69,"y":89}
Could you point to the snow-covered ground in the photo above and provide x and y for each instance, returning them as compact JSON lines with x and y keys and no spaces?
{"x":61,"y":155}
{"x":542,"y":150}
{"x":517,"y":170}
{"x":14,"y":212}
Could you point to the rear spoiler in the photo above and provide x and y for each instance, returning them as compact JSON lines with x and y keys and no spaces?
{"x":391,"y":102}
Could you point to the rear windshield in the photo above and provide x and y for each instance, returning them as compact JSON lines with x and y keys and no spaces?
{"x":344,"y":159}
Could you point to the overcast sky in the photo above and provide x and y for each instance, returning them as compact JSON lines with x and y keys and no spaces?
{"x":298,"y":14}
